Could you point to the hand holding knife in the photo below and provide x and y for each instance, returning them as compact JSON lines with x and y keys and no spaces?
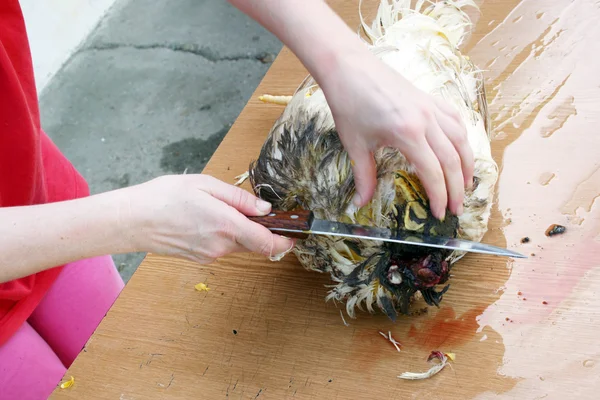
{"x":300,"y":224}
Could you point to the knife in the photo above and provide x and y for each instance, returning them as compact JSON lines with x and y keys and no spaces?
{"x":300,"y":224}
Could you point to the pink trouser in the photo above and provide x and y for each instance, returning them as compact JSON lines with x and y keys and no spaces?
{"x":34,"y":360}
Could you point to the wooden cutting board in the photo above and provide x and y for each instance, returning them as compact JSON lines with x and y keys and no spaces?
{"x":523,"y":329}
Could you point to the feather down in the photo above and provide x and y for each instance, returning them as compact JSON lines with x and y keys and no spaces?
{"x":303,"y":163}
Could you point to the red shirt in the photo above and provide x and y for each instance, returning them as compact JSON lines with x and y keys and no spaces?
{"x":32,"y":169}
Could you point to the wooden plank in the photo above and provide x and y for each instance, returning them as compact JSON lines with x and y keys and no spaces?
{"x":520,"y":329}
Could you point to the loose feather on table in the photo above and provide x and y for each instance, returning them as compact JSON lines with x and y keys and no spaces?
{"x":303,"y":164}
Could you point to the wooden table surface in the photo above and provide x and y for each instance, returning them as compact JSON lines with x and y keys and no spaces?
{"x":264,"y":331}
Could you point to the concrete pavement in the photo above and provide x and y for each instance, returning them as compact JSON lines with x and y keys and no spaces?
{"x":153,"y":90}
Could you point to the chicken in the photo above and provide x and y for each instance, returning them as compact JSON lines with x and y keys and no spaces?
{"x":303,"y":165}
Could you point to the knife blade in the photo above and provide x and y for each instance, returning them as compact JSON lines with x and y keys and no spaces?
{"x":300,"y":224}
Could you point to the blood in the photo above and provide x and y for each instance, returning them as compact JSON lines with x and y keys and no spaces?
{"x":445,"y":329}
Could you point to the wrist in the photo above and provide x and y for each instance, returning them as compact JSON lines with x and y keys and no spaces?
{"x":312,"y":30}
{"x":111,"y":224}
{"x":135,"y":218}
{"x":329,"y":71}
{"x":328,"y":46}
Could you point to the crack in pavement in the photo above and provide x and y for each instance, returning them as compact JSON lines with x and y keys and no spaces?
{"x":263,"y":57}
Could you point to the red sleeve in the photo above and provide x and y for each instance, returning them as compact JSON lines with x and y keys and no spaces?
{"x":32,"y":169}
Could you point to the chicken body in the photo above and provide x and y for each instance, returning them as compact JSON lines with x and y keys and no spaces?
{"x":303,"y":165}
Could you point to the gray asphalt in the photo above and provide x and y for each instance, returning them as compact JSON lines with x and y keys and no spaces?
{"x":153,"y":90}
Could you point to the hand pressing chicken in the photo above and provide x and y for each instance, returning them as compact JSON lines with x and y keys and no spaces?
{"x":383,"y":135}
{"x":372,"y":105}
{"x":196,"y":217}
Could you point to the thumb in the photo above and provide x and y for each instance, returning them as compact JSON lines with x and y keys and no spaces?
{"x":365,"y":175}
{"x":238,"y":198}
{"x":260,"y":240}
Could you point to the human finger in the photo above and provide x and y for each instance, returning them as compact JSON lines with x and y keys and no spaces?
{"x":430,"y":174}
{"x":450,"y":163}
{"x":364,"y":170}
{"x":236,"y":197}
{"x":454,"y":127}
{"x":258,"y":239}
{"x":457,"y":133}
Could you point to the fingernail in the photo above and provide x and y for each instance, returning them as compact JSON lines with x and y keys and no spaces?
{"x":441,"y":214}
{"x":357,"y":200}
{"x":263,"y":206}
{"x":280,"y":256}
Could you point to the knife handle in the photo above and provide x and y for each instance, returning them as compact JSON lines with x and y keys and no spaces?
{"x":276,"y":221}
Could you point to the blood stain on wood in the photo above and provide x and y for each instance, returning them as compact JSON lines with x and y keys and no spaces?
{"x":445,"y":329}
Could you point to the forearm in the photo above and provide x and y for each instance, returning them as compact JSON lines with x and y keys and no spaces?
{"x":35,"y":238}
{"x":310,"y":28}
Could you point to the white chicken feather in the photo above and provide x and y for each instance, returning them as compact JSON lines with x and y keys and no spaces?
{"x":303,"y":165}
